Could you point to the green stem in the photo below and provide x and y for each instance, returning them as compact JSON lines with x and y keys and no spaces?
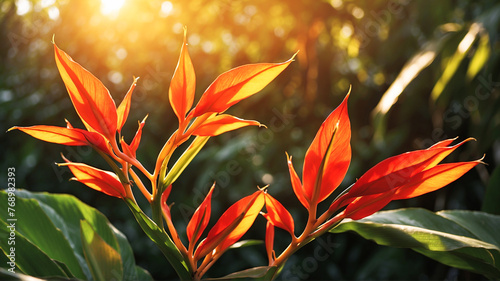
{"x":156,"y":211}
{"x":163,"y":241}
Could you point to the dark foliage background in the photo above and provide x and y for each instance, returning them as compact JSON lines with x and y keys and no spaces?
{"x":420,"y":71}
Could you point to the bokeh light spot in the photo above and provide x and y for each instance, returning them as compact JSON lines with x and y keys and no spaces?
{"x":111,"y":6}
{"x":166,"y":8}
{"x":115,"y":77}
{"x":23,"y":7}
{"x":53,"y":13}
{"x":121,"y":53}
{"x":357,"y":12}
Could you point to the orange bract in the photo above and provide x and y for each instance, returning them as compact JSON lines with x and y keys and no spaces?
{"x":402,"y":177}
{"x":66,"y":136}
{"x":220,"y":124}
{"x":278,"y":215}
{"x":237,"y":84}
{"x":182,"y":86}
{"x":233,"y":224}
{"x":100,"y":180}
{"x":326,"y":160}
{"x":200,"y":219}
{"x":91,"y":99}
{"x":124,"y":107}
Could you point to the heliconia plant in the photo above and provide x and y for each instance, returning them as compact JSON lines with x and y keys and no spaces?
{"x":326,"y":163}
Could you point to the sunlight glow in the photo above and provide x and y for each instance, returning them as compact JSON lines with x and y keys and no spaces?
{"x":111,"y":6}
{"x":166,"y":8}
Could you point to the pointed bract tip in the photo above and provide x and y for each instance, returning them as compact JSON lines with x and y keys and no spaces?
{"x":262,"y":125}
{"x":263,"y":188}
{"x":64,"y":158}
{"x":12,"y":128}
{"x":481,"y":160}
{"x":144,"y":120}
{"x":53,"y":39}
{"x":294,"y":55}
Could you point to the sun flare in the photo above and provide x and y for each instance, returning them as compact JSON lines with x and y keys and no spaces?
{"x":111,"y":6}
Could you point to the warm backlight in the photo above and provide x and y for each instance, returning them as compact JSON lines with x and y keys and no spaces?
{"x":111,"y":6}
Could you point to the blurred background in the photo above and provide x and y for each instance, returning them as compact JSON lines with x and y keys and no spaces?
{"x":420,"y":71}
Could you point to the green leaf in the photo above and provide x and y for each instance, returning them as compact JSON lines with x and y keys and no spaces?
{"x":63,"y":213}
{"x":185,"y":159}
{"x":27,"y":257}
{"x":255,"y":272}
{"x":105,"y":262}
{"x":38,"y":228}
{"x":461,"y":239}
{"x":492,"y":195}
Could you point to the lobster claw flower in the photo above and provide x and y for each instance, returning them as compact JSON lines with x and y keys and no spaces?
{"x":94,"y":105}
{"x":232,"y":225}
{"x":404,"y":176}
{"x":100,"y":180}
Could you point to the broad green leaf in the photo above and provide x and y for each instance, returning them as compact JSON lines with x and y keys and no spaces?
{"x":105,"y":262}
{"x":65,"y":213}
{"x":461,"y":239}
{"x":29,"y":259}
{"x":37,"y":227}
{"x":255,"y":272}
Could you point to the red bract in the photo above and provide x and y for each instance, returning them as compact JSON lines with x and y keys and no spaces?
{"x":278,"y":215}
{"x":100,"y":180}
{"x":269,"y":241}
{"x":326,"y":160}
{"x":401,"y":177}
{"x":233,"y":224}
{"x":200,"y":219}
